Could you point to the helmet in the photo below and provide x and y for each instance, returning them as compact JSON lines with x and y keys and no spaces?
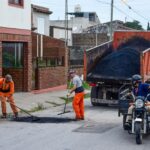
{"x":8,"y":78}
{"x":136,"y":79}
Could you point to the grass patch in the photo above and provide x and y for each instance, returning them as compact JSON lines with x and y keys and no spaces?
{"x":70,"y":99}
{"x":85,"y":85}
{"x":53,"y":103}
{"x":39,"y":107}
{"x":88,"y":95}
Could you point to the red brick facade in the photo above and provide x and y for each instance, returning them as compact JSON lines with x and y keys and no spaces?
{"x":47,"y":77}
{"x":79,"y":69}
{"x":51,"y":77}
{"x":22,"y":77}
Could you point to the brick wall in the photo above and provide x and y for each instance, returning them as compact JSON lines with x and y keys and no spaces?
{"x":0,"y":58}
{"x":47,"y":77}
{"x":50,"y":77}
{"x":51,"y":47}
{"x":78,"y":69}
{"x":88,"y":39}
{"x":17,"y":75}
{"x":24,"y":79}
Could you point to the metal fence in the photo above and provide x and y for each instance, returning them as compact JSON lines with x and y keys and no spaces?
{"x":40,"y":62}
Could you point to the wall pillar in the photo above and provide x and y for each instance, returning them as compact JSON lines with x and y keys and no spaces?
{"x":0,"y":59}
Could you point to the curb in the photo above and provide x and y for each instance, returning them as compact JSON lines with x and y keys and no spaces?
{"x":53,"y":89}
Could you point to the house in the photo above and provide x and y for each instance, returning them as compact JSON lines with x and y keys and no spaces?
{"x":40,"y":19}
{"x":15,"y":42}
{"x":49,"y":55}
{"x":76,"y":24}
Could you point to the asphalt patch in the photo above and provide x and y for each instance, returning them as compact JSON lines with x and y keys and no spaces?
{"x":43,"y":119}
{"x":94,"y":127}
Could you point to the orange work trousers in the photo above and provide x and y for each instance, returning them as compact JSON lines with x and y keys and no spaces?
{"x":11,"y":101}
{"x":78,"y":105}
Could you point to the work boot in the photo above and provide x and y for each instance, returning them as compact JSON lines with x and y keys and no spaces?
{"x":4,"y":116}
{"x":127,"y":126}
{"x":82,"y":118}
{"x":16,"y":115}
{"x":77,"y":119}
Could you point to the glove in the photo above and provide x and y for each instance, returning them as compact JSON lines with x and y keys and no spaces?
{"x":68,"y":94}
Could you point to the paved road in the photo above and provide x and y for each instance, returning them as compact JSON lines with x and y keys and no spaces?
{"x":102,"y":130}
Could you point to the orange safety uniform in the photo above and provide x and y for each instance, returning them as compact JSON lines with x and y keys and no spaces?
{"x":78,"y":105}
{"x":6,"y":93}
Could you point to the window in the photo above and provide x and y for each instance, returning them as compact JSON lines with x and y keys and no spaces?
{"x":12,"y":55}
{"x":16,"y":2}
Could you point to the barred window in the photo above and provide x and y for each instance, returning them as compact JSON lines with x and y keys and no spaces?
{"x":12,"y":55}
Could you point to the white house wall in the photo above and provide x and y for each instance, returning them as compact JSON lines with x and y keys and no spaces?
{"x":15,"y":17}
{"x":37,"y":16}
{"x":60,"y":34}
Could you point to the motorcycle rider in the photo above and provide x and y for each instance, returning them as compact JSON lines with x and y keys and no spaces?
{"x":139,"y":89}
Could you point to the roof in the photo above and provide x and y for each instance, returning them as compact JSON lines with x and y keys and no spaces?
{"x":41,"y":9}
{"x":75,"y":13}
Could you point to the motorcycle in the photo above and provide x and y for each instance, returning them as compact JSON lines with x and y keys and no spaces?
{"x":140,"y":117}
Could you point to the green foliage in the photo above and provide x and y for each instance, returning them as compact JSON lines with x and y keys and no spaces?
{"x":85,"y":85}
{"x":148,"y":26}
{"x":134,"y":25}
{"x":9,"y":61}
{"x":39,"y":107}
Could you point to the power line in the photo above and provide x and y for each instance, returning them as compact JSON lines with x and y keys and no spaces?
{"x":118,"y":9}
{"x":136,"y":12}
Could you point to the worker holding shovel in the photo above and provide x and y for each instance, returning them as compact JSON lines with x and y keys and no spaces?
{"x":78,"y":101}
{"x":6,"y":94}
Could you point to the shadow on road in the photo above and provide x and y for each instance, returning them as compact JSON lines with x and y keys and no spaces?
{"x":43,"y":119}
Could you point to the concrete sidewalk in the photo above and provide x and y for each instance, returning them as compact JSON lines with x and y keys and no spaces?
{"x":47,"y":98}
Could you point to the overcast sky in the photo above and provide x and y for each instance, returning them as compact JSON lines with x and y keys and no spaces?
{"x":140,"y":9}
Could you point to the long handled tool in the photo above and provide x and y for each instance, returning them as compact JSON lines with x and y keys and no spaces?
{"x":65,"y":107}
{"x":34,"y":118}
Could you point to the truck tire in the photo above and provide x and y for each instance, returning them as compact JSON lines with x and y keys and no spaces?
{"x":96,"y":92}
{"x":93,"y":95}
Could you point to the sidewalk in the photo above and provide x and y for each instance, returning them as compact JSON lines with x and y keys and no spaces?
{"x":47,"y":98}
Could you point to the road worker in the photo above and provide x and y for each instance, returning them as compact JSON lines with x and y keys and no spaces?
{"x":78,"y":100}
{"x":6,"y":94}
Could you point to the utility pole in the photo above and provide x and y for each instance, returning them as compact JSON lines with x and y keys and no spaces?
{"x":111,"y":19}
{"x":66,"y":23}
{"x":96,"y":33}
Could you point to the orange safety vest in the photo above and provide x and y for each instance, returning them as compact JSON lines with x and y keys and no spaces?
{"x":6,"y":88}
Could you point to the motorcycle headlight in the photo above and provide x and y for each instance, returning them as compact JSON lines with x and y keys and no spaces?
{"x":139,"y":103}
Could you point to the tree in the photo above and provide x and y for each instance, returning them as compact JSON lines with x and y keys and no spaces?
{"x":148,"y":26}
{"x":134,"y":25}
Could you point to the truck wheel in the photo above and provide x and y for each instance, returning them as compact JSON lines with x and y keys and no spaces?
{"x":138,"y":133}
{"x":94,"y":95}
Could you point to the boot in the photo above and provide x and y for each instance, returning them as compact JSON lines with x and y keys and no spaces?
{"x":4,"y":116}
{"x":16,"y":115}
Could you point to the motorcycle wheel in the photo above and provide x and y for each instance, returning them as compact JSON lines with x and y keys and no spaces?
{"x":138,"y":133}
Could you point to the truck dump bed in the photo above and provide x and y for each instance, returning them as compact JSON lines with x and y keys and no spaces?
{"x":127,"y":55}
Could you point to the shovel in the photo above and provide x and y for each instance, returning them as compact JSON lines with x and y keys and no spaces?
{"x":34,"y":118}
{"x":64,"y":112}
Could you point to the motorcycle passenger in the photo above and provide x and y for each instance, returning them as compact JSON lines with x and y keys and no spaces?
{"x":139,"y":89}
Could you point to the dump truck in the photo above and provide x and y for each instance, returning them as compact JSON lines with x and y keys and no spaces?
{"x":109,"y":66}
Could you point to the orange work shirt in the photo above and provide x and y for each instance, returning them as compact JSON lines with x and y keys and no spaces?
{"x":6,"y":88}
